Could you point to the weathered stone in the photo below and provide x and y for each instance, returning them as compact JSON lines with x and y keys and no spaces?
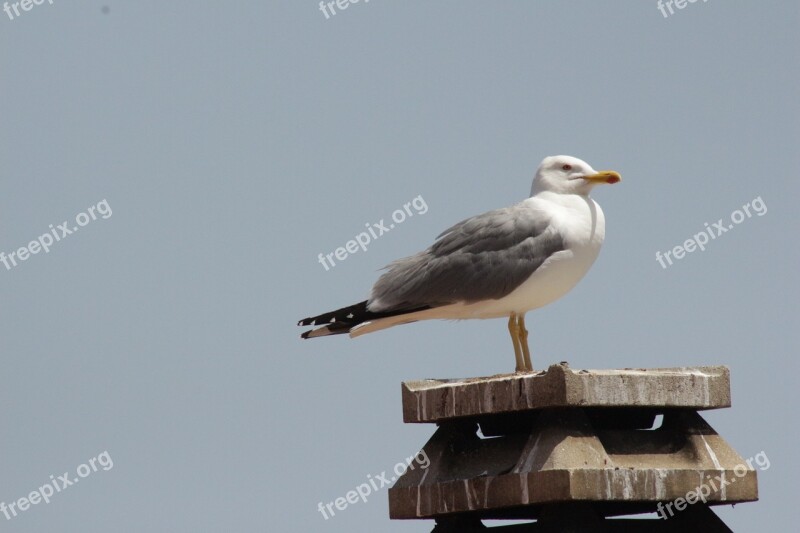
{"x":572,"y":448}
{"x":565,"y":457}
{"x":696,"y":388}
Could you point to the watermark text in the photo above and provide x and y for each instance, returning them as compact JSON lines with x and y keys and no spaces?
{"x":710,"y":232}
{"x":329,"y":8}
{"x":666,"y":5}
{"x":373,"y":484}
{"x":56,"y":234}
{"x":25,"y":5}
{"x":374,"y":232}
{"x":56,"y":485}
{"x":713,"y":485}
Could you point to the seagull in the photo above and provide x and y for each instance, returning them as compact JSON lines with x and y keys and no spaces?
{"x":502,"y":263}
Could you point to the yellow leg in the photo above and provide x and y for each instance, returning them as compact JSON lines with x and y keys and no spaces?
{"x":523,"y":340}
{"x":513,"y":329}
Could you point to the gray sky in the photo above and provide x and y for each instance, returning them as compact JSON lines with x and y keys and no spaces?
{"x":233,"y":143}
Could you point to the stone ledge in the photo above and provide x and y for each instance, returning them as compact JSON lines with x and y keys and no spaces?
{"x":697,"y":388}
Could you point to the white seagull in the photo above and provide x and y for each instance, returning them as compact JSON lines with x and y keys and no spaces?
{"x":502,"y":263}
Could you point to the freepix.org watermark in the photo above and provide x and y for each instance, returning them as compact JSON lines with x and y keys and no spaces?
{"x":666,"y":5}
{"x":711,"y":232}
{"x":374,"y":232}
{"x":56,"y":485}
{"x":24,"y":5}
{"x":56,"y":234}
{"x":712,"y":485}
{"x":373,"y":484}
{"x":329,"y":8}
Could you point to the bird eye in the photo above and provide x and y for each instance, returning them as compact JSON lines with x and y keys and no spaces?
{"x":566,"y":167}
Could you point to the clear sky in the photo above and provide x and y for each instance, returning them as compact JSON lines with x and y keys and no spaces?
{"x":234,"y":142}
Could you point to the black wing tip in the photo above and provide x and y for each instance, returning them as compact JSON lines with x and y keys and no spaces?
{"x":345,"y":314}
{"x":305,"y":334}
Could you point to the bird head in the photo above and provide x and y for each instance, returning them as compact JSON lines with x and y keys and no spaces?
{"x":569,"y":175}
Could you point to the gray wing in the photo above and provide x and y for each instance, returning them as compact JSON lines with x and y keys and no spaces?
{"x":481,"y":258}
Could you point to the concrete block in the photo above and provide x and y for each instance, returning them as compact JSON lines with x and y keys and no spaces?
{"x":436,"y":400}
{"x":566,"y":455}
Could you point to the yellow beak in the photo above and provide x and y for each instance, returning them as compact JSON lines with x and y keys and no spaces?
{"x":606,"y":176}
